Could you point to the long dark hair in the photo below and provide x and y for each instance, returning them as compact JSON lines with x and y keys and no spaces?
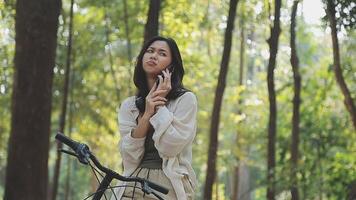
{"x":176,"y":78}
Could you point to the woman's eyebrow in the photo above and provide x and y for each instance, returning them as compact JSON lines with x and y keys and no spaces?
{"x":162,"y":50}
{"x":158,"y":49}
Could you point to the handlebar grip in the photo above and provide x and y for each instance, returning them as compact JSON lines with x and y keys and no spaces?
{"x":66,"y":140}
{"x":157,"y":187}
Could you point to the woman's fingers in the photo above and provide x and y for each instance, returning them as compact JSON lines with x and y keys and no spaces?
{"x":158,"y":98}
{"x":158,"y":93}
{"x":153,"y":88}
{"x":160,"y":80}
{"x":165,"y":73}
{"x":159,"y":103}
{"x":167,"y":76}
{"x":164,"y":85}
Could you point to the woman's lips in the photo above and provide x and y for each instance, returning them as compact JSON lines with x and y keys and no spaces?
{"x":151,"y":62}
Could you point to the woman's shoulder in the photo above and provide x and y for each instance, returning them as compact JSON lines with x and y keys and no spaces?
{"x":129,"y":102}
{"x":188,"y":96}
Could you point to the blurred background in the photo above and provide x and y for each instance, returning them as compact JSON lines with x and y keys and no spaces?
{"x":95,"y":45}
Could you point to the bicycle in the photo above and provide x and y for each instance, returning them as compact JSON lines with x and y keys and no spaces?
{"x":82,"y":152}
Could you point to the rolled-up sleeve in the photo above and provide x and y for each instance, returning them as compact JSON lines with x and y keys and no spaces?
{"x":175,"y":129}
{"x":131,"y":149}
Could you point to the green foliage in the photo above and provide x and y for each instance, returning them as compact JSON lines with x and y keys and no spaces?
{"x":345,"y":14}
{"x":327,"y":162}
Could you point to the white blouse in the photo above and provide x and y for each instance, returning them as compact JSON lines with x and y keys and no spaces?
{"x":174,"y":131}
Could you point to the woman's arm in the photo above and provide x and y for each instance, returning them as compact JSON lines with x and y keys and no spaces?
{"x":131,"y":148}
{"x":153,"y":100}
{"x":174,"y":130}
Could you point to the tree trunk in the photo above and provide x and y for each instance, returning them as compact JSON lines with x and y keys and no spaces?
{"x":67,"y":187}
{"x":111,"y":62}
{"x":235,"y":183}
{"x":244,"y":182}
{"x":27,"y":161}
{"x":296,"y":104}
{"x":151,"y":27}
{"x":127,"y":31}
{"x":211,"y":171}
{"x":62,"y":119}
{"x":241,"y":72}
{"x":348,"y":101}
{"x":351,"y":190}
{"x":128,"y":41}
{"x":273,"y":47}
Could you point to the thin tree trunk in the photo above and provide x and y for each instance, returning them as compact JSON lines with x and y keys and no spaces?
{"x":351,"y":192}
{"x":36,"y":39}
{"x":296,"y":104}
{"x":151,"y":27}
{"x":67,"y":188}
{"x":320,"y":187}
{"x":242,"y":57}
{"x":208,"y":30}
{"x":211,"y":171}
{"x":241,"y":73}
{"x":273,"y":47}
{"x":127,"y":31}
{"x":128,"y":40}
{"x":62,"y":119}
{"x":111,"y":62}
{"x":348,"y":101}
{"x":235,"y":185}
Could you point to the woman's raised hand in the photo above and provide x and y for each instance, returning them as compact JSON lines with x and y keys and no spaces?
{"x":154,"y":99}
{"x":165,"y":84}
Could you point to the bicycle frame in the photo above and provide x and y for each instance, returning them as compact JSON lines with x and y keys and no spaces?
{"x":82,"y":152}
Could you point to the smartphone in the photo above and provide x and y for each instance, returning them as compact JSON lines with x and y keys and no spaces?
{"x":170,"y":69}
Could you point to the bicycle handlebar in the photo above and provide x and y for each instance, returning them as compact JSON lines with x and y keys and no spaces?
{"x":66,"y":140}
{"x":83,"y":154}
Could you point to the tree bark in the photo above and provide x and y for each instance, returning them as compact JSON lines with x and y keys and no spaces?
{"x":211,"y":171}
{"x":296,"y":104}
{"x":235,"y":183}
{"x":127,"y":31}
{"x":111,"y":62}
{"x":273,"y":47}
{"x":36,"y":39}
{"x":239,"y":104}
{"x":151,"y":27}
{"x":67,"y":187}
{"x":348,"y":101}
{"x":128,"y":41}
{"x":62,"y":120}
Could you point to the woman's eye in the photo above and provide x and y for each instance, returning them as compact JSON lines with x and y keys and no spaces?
{"x":162,"y":54}
{"x":149,"y":51}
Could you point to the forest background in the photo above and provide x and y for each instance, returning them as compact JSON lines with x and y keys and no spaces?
{"x":96,"y":46}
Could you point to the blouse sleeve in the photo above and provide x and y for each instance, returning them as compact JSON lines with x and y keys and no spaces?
{"x":131,"y":149}
{"x":174,"y":130}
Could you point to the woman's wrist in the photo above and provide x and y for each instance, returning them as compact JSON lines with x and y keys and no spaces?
{"x":146,"y":117}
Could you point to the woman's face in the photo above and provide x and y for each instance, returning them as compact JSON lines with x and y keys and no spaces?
{"x":156,"y":58}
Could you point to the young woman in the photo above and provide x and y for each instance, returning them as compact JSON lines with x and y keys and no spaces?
{"x":158,"y":125}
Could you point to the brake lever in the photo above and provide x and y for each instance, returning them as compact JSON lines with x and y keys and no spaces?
{"x":82,"y":153}
{"x":148,"y":190}
{"x":159,"y":197}
{"x":68,"y":152}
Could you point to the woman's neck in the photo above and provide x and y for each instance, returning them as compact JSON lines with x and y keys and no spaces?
{"x":150,"y":82}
